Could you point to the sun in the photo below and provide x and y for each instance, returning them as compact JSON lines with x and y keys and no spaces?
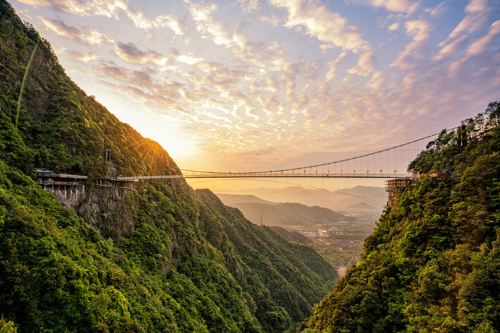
{"x":169,"y":133}
{"x":177,"y":142}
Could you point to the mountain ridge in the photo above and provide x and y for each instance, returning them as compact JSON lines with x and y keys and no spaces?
{"x":287,"y":214}
{"x":338,"y":200}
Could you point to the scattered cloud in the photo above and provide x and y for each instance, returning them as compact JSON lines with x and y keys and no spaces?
{"x":479,"y":46}
{"x":273,"y":20}
{"x":437,"y":10}
{"x":81,"y":56}
{"x":394,"y":26}
{"x":91,"y":37}
{"x":329,"y":27}
{"x":450,"y":48}
{"x":210,"y":28}
{"x":107,"y":8}
{"x":301,"y":77}
{"x":250,"y":5}
{"x":476,"y":15}
{"x":419,"y":31}
{"x":131,"y":53}
{"x":110,"y":9}
{"x":142,"y":22}
{"x":397,"y":6}
{"x":476,"y":48}
{"x":332,"y":30}
{"x":333,"y":66}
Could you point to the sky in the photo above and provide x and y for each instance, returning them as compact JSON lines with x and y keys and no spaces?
{"x":259,"y":84}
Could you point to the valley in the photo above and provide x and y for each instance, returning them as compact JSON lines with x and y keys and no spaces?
{"x":337,"y":236}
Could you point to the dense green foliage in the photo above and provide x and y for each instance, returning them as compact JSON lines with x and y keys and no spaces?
{"x":7,"y":326}
{"x":432,"y":264}
{"x":188,"y":264}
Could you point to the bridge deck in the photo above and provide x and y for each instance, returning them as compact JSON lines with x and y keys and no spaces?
{"x":269,"y":175}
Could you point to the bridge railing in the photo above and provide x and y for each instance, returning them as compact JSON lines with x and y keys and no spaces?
{"x":379,"y":175}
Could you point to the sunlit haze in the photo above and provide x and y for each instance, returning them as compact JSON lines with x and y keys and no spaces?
{"x":255,"y":84}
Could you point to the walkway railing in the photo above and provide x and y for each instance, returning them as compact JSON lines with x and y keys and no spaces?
{"x":267,"y":175}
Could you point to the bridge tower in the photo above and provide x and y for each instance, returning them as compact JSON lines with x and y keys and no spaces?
{"x":394,"y":186}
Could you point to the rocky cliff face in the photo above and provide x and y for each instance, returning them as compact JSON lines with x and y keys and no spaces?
{"x":70,"y":197}
{"x":110,"y":208}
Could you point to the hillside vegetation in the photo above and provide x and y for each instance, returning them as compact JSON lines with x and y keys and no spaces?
{"x":186,"y":264}
{"x":432,"y":264}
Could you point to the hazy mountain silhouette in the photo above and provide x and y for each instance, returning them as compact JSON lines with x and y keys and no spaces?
{"x":293,"y":216}
{"x":359,"y":199}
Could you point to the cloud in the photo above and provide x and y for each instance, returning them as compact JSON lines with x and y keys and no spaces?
{"x":81,"y":56}
{"x":476,"y":48}
{"x":437,"y":10}
{"x":250,"y":5}
{"x":131,"y":53}
{"x":188,"y":59}
{"x":419,"y":30}
{"x":449,"y":48}
{"x":365,"y":65}
{"x":273,"y":20}
{"x":480,"y":45}
{"x":332,"y":30}
{"x":319,"y":22}
{"x":108,"y":8}
{"x":333,"y":66}
{"x":159,"y":95}
{"x":397,"y":6}
{"x":142,"y":78}
{"x":142,"y":22}
{"x":173,"y":23}
{"x":476,"y":15}
{"x":91,"y":37}
{"x":209,"y":28}
{"x":111,"y":9}
{"x":394,"y":26}
{"x":249,"y":53}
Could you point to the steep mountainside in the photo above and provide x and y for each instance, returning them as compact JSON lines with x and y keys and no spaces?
{"x":182,"y":261}
{"x":287,"y":215}
{"x":234,"y":199}
{"x":291,"y":236}
{"x":432,"y":264}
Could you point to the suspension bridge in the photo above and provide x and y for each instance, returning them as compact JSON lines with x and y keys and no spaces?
{"x":381,"y":164}
{"x":388,"y":163}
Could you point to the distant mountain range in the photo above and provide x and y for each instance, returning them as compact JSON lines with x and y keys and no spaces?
{"x":292,"y":216}
{"x":357,"y":200}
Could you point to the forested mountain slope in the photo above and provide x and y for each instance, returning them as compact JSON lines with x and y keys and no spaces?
{"x":186,"y":263}
{"x":432,"y":264}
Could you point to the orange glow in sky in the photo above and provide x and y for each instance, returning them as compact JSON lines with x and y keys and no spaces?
{"x":254,"y":84}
